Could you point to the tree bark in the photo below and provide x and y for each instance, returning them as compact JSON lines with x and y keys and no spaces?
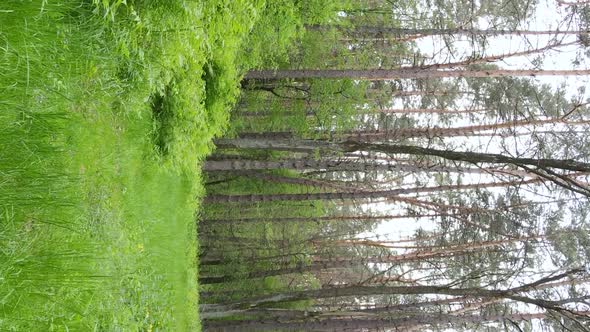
{"x":254,"y":198}
{"x":400,"y":321}
{"x":357,"y":291}
{"x":353,"y":146}
{"x":377,"y":30}
{"x":316,"y":219}
{"x":344,"y":165}
{"x":320,"y":264}
{"x":471,"y":157}
{"x":429,"y":133}
{"x":403,"y":73}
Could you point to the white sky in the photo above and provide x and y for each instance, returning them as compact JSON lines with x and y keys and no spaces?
{"x":547,"y":17}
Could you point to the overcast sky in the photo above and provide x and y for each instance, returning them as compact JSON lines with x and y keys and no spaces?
{"x":548,"y":16}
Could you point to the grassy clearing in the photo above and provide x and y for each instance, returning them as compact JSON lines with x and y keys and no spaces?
{"x":106,"y":111}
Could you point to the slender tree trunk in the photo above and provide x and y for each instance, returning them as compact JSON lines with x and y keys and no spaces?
{"x":433,"y":93}
{"x":357,"y":291}
{"x":369,"y":111}
{"x":254,"y":198}
{"x":324,"y":164}
{"x":350,"y":165}
{"x":429,"y":133}
{"x":428,"y":111}
{"x":471,"y":157}
{"x":346,"y":321}
{"x":426,"y":253}
{"x":405,"y":133}
{"x":380,"y":30}
{"x":320,"y":264}
{"x":423,"y":249}
{"x":316,"y":219}
{"x":394,"y":149}
{"x":403,"y":73}
{"x":292,"y":145}
{"x":494,"y":58}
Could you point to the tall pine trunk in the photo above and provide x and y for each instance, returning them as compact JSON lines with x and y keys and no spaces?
{"x":255,"y":198}
{"x":381,"y":30}
{"x":403,"y":73}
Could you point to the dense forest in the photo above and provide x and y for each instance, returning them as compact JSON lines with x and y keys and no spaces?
{"x":408,"y":166}
{"x":294,"y":165}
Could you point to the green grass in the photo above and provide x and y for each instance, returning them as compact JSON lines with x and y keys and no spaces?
{"x":106,"y":110}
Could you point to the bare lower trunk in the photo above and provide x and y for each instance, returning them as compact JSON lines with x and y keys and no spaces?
{"x":357,"y":291}
{"x":315,"y":219}
{"x":401,"y":321}
{"x":471,"y":157}
{"x":402,"y":73}
{"x":395,"y":149}
{"x":254,"y":198}
{"x":372,"y":30}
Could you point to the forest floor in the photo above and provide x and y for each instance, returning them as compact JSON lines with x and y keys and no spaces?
{"x":106,"y":111}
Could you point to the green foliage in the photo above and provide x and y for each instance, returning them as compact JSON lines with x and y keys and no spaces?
{"x":319,"y":108}
{"x":279,"y":25}
{"x":107,"y":108}
{"x":271,"y":42}
{"x":108,"y":7}
{"x":247,"y":247}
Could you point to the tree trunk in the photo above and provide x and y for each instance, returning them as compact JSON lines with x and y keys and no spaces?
{"x":427,"y":111}
{"x":367,"y":111}
{"x":211,"y":222}
{"x":357,"y":291}
{"x":429,"y":133}
{"x":292,"y":145}
{"x":380,"y":30}
{"x":465,"y":156}
{"x":320,"y":264}
{"x":471,"y":157}
{"x":344,"y":166}
{"x":349,"y":165}
{"x":494,"y":58}
{"x":254,"y":198}
{"x":402,"y":73}
{"x":346,"y":321}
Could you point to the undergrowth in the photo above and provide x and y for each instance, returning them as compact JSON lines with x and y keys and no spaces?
{"x":107,"y":109}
